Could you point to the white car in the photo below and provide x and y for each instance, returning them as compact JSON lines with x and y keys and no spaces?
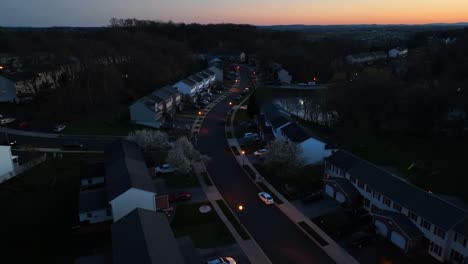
{"x":260,"y":152}
{"x":221,"y":260}
{"x":165,"y":168}
{"x":209,"y":94}
{"x":243,"y":107}
{"x":59,"y":128}
{"x":7,"y":120}
{"x":250,"y":135}
{"x":266,"y":198}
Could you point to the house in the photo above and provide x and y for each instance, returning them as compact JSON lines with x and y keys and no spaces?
{"x":274,"y":118}
{"x":205,"y":80}
{"x":8,"y":163}
{"x":198,"y":83}
{"x":7,"y":90}
{"x":397,"y":53}
{"x":156,"y":108}
{"x":411,"y":218}
{"x":145,"y":237}
{"x":187,"y":87}
{"x":282,"y":75}
{"x":128,"y":183}
{"x":94,"y":207}
{"x":313,"y":150}
{"x":216,"y":66}
{"x":92,"y":175}
{"x":368,"y":57}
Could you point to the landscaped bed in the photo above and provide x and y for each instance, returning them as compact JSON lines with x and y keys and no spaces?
{"x":206,"y":230}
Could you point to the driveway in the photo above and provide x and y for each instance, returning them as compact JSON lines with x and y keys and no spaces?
{"x":318,"y":208}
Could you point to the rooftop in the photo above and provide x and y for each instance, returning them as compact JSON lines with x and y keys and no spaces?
{"x":295,"y":133}
{"x":93,"y":200}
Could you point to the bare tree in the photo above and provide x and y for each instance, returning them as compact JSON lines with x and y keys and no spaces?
{"x":284,"y":158}
{"x":177,"y":158}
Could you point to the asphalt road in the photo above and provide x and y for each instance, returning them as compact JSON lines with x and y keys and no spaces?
{"x":277,"y":235}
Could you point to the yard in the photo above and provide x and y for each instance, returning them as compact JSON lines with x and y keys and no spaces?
{"x":39,"y":209}
{"x":206,"y":230}
{"x":176,"y":181}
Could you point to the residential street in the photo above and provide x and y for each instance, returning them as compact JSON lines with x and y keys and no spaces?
{"x":281,"y":239}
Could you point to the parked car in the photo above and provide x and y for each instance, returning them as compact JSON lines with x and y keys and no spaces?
{"x":312,"y":197}
{"x":237,"y":99}
{"x":260,"y":152}
{"x":204,"y":103}
{"x":165,"y":168}
{"x":244,"y":107}
{"x":221,"y":260}
{"x":250,"y":135}
{"x":209,"y":94}
{"x":361,"y":239}
{"x":59,"y":128}
{"x":180,"y":197}
{"x":7,"y":120}
{"x":72,"y":145}
{"x":196,"y":107}
{"x":9,"y":143}
{"x":23,"y":124}
{"x":219,"y":91}
{"x":266,"y":198}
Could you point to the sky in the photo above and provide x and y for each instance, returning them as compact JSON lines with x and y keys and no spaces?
{"x":41,"y":13}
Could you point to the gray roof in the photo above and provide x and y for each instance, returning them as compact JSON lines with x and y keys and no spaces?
{"x":196,"y":78}
{"x":126,"y":169}
{"x":346,"y":186}
{"x":343,"y":159}
{"x":201,"y":75}
{"x":93,"y":200}
{"x":209,"y":72}
{"x":295,"y":133}
{"x":144,"y":237}
{"x":204,"y":75}
{"x":274,"y":115}
{"x":403,"y":222}
{"x":171,"y":90}
{"x":422,"y":203}
{"x":462,"y":227}
{"x":188,"y":82}
{"x":162,"y":94}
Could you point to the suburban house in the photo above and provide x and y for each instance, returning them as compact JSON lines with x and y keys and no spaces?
{"x":216,"y":66}
{"x":92,"y":175}
{"x":145,"y":237}
{"x":94,"y":207}
{"x":198,"y":82}
{"x":313,"y":150}
{"x":8,"y":163}
{"x":281,"y":74}
{"x":187,"y":87}
{"x":367,"y":57}
{"x":410,"y":217}
{"x":156,"y":108}
{"x":397,"y":53}
{"x":128,"y":182}
{"x":274,"y":118}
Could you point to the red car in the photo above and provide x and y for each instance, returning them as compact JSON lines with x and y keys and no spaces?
{"x":23,"y":124}
{"x":180,"y":197}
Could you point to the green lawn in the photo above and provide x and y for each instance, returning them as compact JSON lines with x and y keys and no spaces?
{"x":39,"y":208}
{"x":206,"y":230}
{"x":181,"y":181}
{"x":235,"y":223}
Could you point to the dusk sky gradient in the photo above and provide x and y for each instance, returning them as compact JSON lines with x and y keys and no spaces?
{"x":41,"y":13}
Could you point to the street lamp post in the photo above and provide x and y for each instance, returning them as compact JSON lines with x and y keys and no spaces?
{"x":243,"y":155}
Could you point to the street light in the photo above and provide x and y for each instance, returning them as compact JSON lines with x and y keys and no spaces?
{"x":199,"y":113}
{"x":243,"y":155}
{"x":240,"y":207}
{"x":230,"y":103}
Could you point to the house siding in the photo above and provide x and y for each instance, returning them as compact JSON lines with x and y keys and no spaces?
{"x":7,"y":90}
{"x":141,"y":114}
{"x":131,"y":199}
{"x":96,"y":216}
{"x":92,"y":181}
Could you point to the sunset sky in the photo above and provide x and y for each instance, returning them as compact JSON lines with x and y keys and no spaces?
{"x":257,"y":12}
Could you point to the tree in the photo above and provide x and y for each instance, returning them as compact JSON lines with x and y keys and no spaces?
{"x":149,"y":140}
{"x":178,"y":159}
{"x":283,"y":159}
{"x":188,"y":149}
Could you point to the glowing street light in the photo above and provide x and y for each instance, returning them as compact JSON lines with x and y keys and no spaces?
{"x":240,"y":207}
{"x":243,"y":155}
{"x":230,"y":103}
{"x":199,"y":113}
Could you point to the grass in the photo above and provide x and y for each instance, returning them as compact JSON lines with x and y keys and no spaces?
{"x":207,"y":179}
{"x":39,"y":208}
{"x":313,"y":234}
{"x":335,"y":224}
{"x":235,"y":223}
{"x":206,"y":230}
{"x":177,"y":181}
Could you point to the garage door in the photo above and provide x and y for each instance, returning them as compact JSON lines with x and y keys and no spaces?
{"x":329,"y":191}
{"x":340,"y":197}
{"x":381,"y":228}
{"x":398,"y":240}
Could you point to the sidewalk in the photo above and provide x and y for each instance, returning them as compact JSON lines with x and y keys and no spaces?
{"x":251,"y":249}
{"x":331,"y":248}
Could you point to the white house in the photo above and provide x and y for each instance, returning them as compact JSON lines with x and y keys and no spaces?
{"x":198,"y":82}
{"x":211,"y":76}
{"x":282,"y":74}
{"x":128,"y":183}
{"x":411,"y":218}
{"x":7,"y":90}
{"x":397,"y":53}
{"x":217,"y":69}
{"x":313,"y":150}
{"x":94,"y":207}
{"x":275,"y":118}
{"x":8,"y":163}
{"x":187,"y":87}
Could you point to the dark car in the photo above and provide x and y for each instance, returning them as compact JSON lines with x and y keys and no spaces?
{"x":180,"y":197}
{"x":72,"y":145}
{"x":196,"y":107}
